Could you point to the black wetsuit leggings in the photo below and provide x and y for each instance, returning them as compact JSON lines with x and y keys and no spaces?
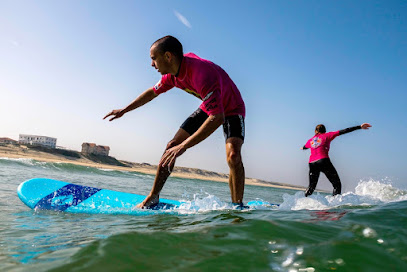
{"x":325,"y":166}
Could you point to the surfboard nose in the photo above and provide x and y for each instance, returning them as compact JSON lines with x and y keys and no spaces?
{"x":33,"y":190}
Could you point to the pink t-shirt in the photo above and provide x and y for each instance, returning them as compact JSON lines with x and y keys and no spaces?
{"x":319,"y":145}
{"x":208,"y":82}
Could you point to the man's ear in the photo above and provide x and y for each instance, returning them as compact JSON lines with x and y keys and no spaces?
{"x":168,"y":56}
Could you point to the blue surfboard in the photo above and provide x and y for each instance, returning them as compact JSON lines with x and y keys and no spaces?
{"x":49,"y":194}
{"x":55,"y":195}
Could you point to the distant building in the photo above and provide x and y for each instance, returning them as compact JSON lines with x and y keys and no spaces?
{"x":7,"y":141}
{"x":91,"y":148}
{"x":37,"y":140}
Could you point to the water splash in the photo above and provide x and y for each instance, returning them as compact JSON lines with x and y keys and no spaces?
{"x":203,"y":202}
{"x":367,"y":193}
{"x":383,"y":191}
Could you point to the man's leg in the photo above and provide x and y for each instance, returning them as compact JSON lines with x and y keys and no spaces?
{"x":236,"y":173}
{"x":313,"y":178}
{"x":189,"y":127}
{"x":332,"y":175}
{"x":163,"y":173}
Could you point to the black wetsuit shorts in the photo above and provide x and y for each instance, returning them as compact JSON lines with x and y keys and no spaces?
{"x":232,"y":127}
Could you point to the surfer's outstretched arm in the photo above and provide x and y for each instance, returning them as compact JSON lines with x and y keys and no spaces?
{"x":347,"y":130}
{"x":142,"y":99}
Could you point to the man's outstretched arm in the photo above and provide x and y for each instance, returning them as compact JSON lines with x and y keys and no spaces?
{"x":206,"y":129}
{"x":142,"y":99}
{"x":347,"y":130}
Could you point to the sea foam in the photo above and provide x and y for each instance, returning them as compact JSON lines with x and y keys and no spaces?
{"x":366,"y":193}
{"x":203,"y":203}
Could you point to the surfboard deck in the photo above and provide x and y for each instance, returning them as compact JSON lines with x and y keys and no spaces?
{"x":55,"y":195}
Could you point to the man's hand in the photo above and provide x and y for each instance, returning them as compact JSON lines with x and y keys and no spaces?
{"x":365,"y":126}
{"x":168,"y":159}
{"x":142,"y":99}
{"x":115,"y":113}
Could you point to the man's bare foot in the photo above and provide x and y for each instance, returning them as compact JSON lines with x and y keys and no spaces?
{"x":150,"y":200}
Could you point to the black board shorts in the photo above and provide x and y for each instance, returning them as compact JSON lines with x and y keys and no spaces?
{"x":232,"y":127}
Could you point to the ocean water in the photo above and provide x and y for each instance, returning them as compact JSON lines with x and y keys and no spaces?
{"x":363,"y":230}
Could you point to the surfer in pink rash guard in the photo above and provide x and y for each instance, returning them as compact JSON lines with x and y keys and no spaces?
{"x":222,"y":104}
{"x":319,"y":160}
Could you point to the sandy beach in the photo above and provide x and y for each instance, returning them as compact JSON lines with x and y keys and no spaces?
{"x":24,"y":152}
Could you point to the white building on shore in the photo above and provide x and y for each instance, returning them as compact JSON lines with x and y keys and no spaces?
{"x":37,"y":140}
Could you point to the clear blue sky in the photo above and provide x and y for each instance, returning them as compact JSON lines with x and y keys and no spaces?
{"x":65,"y":64}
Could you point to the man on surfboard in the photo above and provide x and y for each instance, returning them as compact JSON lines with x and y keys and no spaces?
{"x":319,"y":160}
{"x":222,"y":104}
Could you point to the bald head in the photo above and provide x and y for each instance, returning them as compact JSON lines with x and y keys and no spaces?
{"x":169,"y":44}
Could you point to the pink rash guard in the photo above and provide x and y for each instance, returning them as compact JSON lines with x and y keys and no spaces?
{"x":319,"y":145}
{"x":208,"y":82}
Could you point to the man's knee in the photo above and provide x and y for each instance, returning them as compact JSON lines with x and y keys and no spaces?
{"x":179,"y":137}
{"x":233,"y":154}
{"x":234,"y":158}
{"x":333,"y":178}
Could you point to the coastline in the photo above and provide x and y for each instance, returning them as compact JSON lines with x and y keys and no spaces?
{"x":24,"y":152}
